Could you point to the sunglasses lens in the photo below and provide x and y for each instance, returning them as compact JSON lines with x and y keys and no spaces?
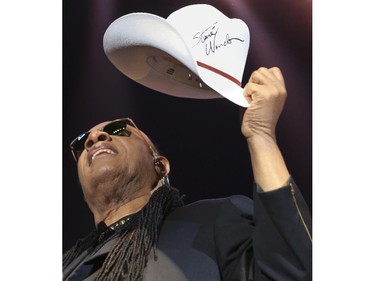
{"x":78,"y":145}
{"x":117,"y":128}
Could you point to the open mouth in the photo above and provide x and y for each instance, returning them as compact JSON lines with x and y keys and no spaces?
{"x":100,"y":151}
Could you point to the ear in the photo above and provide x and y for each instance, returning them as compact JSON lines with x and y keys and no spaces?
{"x":161,"y":165}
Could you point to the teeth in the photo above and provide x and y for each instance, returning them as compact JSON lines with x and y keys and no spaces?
{"x":101,"y":151}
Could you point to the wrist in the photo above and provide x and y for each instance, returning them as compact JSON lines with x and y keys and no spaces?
{"x":262,"y":140}
{"x":268,"y":165}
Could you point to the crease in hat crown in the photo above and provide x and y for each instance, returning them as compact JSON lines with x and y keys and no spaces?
{"x":196,"y":52}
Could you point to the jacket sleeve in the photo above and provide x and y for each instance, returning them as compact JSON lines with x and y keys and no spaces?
{"x":234,"y":230}
{"x":282,"y":241}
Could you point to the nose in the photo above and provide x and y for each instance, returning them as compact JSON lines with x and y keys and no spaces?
{"x":95,"y":137}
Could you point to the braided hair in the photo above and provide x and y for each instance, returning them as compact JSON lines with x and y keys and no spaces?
{"x":128,"y":256}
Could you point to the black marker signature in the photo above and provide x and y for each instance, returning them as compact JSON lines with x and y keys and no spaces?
{"x":208,"y":37}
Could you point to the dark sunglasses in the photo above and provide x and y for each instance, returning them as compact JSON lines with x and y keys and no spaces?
{"x":114,"y":128}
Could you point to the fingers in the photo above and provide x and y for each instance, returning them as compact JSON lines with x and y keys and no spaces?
{"x":277,"y":73}
{"x":250,"y":90}
{"x":259,"y":76}
{"x":266,"y":76}
{"x":266,"y":82}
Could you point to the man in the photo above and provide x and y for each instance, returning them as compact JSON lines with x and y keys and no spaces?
{"x":145,"y":233}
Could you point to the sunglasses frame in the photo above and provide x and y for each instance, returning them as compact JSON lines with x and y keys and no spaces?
{"x":128,"y":121}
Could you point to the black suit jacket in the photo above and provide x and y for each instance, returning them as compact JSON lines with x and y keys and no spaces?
{"x":232,"y":238}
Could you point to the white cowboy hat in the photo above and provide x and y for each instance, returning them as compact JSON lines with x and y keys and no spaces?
{"x":197,"y":52}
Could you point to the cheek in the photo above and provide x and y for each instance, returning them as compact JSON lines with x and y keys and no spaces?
{"x":146,"y":169}
{"x":137,"y":158}
{"x":83,"y":179}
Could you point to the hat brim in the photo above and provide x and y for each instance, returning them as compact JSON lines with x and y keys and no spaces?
{"x":150,"y":51}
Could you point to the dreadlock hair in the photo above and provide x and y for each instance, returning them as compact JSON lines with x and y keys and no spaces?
{"x":128,"y":256}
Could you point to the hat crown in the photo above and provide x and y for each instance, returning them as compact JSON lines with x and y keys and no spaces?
{"x":214,"y":39}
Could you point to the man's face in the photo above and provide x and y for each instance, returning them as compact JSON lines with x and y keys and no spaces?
{"x":110,"y":164}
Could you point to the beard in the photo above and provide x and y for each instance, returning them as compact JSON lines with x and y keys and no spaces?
{"x":110,"y":187}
